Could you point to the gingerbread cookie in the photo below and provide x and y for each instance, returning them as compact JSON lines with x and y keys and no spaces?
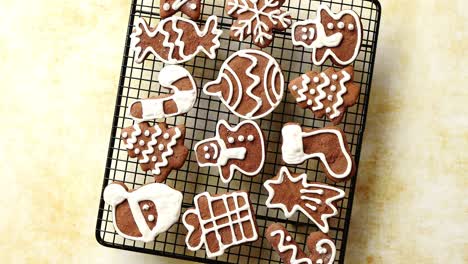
{"x":159,"y":149}
{"x":321,"y":248}
{"x":329,"y":35}
{"x":291,"y":193}
{"x":143,"y":213}
{"x":219,"y":222}
{"x":175,"y":39}
{"x":326,"y":144}
{"x":257,"y":18}
{"x":239,"y":148}
{"x":327,"y":93}
{"x":250,"y":83}
{"x":191,"y":8}
{"x":181,"y":82}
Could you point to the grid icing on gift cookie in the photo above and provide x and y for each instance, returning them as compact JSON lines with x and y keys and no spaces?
{"x":335,"y":36}
{"x":234,"y":148}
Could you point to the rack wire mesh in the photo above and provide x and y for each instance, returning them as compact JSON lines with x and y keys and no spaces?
{"x":140,"y":81}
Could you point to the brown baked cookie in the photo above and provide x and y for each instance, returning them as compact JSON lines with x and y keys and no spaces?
{"x":250,"y":84}
{"x":335,"y":36}
{"x":321,"y":248}
{"x":191,"y":8}
{"x":175,"y":39}
{"x":143,"y":213}
{"x":220,"y":221}
{"x":159,"y":149}
{"x":239,"y":148}
{"x":327,"y":144}
{"x":257,"y":18}
{"x":182,"y":99}
{"x":328,"y":93}
{"x":291,"y":193}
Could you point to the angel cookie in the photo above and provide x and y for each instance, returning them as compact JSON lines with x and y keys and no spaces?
{"x":321,"y":248}
{"x":257,"y":18}
{"x":250,"y":84}
{"x":175,"y":39}
{"x":327,"y":93}
{"x":326,"y":144}
{"x":143,"y":213}
{"x":238,"y":148}
{"x":335,"y":36}
{"x":159,"y":148}
{"x":291,"y":193}
{"x":184,"y":94}
{"x":220,"y":221}
{"x":189,"y":7}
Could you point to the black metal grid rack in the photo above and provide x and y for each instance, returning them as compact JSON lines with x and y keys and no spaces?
{"x":140,"y":81}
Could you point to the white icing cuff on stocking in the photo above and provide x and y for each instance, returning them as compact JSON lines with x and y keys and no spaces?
{"x":292,"y":148}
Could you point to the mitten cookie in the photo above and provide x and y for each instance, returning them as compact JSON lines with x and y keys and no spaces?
{"x":291,"y":193}
{"x":219,"y":222}
{"x":329,"y":35}
{"x":159,"y":149}
{"x":321,"y":248}
{"x":257,"y":18}
{"x":189,"y":7}
{"x":326,"y":144}
{"x":250,"y":84}
{"x":143,"y":213}
{"x":327,"y":93}
{"x":239,"y":148}
{"x":181,"y":82}
{"x":175,"y":39}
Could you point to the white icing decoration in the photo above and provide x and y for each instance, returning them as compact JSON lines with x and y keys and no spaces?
{"x":231,"y":140}
{"x":304,"y":29}
{"x":330,"y":97}
{"x":240,"y":138}
{"x":205,"y":148}
{"x":151,"y":218}
{"x":166,"y":136}
{"x":309,"y":102}
{"x":239,"y":222}
{"x":166,"y":6}
{"x":328,"y":110}
{"x":168,"y":152}
{"x":316,"y":79}
{"x":146,"y":207}
{"x":133,"y":137}
{"x":322,"y":40}
{"x":124,"y":134}
{"x":225,"y":154}
{"x":254,"y":24}
{"x":333,"y":88}
{"x":294,"y":87}
{"x":304,"y":87}
{"x":154,"y":159}
{"x":211,"y":23}
{"x":184,"y":100}
{"x":193,"y":6}
{"x":161,"y":146}
{"x":151,"y":144}
{"x":340,"y":25}
{"x":293,"y":148}
{"x":339,"y":95}
{"x":147,"y":133}
{"x":312,"y":91}
{"x":284,"y":172}
{"x":322,"y":94}
{"x":283,"y":248}
{"x":215,"y":150}
{"x":321,"y":250}
{"x":167,"y":201}
{"x":250,"y":137}
{"x":330,"y":26}
{"x":207,"y":156}
{"x":142,"y":142}
{"x":334,"y":76}
{"x":137,"y":151}
{"x":256,"y":80}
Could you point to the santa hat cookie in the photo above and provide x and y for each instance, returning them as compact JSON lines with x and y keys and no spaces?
{"x":143,"y":213}
{"x":234,"y":148}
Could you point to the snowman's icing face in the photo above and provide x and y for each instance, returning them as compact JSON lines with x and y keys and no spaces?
{"x":208,"y":152}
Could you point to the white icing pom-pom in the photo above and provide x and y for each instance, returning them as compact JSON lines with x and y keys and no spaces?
{"x":114,"y":194}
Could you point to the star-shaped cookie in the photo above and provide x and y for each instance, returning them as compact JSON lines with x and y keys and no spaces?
{"x":291,"y":193}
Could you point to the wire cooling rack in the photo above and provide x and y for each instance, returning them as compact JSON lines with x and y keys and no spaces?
{"x":141,"y":81}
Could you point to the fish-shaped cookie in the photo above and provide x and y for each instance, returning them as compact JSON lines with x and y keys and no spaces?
{"x":175,"y":39}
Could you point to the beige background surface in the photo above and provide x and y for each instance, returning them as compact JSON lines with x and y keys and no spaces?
{"x":58,"y":79}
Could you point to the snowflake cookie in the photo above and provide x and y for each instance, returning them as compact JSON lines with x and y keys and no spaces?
{"x":257,"y":18}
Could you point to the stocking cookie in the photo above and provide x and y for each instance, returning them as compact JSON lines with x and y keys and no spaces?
{"x":189,"y":7}
{"x":327,"y":93}
{"x":291,"y":193}
{"x":175,"y":39}
{"x":181,"y":82}
{"x":250,"y":84}
{"x":239,"y":148}
{"x":159,"y":149}
{"x":219,"y":222}
{"x":257,"y":18}
{"x":143,"y":213}
{"x":326,"y":144}
{"x":335,"y":36}
{"x":321,"y":248}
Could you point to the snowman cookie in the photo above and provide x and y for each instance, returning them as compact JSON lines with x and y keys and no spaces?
{"x":335,"y":36}
{"x":234,"y":148}
{"x":143,"y":213}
